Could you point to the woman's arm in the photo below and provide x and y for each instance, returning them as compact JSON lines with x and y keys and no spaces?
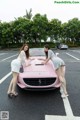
{"x":27,"y":65}
{"x":25,"y":61}
{"x":46,"y":61}
{"x":42,"y":59}
{"x":32,"y":58}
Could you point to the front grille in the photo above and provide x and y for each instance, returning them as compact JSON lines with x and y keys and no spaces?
{"x":39,"y":81}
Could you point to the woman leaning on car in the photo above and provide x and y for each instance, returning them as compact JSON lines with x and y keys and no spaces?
{"x":15,"y":68}
{"x":59,"y":68}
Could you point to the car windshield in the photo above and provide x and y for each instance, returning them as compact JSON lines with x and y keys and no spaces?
{"x":37,"y":52}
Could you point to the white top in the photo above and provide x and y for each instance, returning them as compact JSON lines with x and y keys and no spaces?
{"x":51,"y":55}
{"x":22,"y":57}
{"x":55,"y":59}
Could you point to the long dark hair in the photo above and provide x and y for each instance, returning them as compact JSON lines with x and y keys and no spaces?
{"x":27,"y":51}
{"x":46,"y":53}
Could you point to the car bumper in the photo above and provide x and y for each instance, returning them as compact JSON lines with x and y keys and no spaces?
{"x":63,"y":48}
{"x":39,"y":88}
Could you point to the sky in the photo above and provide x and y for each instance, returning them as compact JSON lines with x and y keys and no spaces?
{"x":10,"y":9}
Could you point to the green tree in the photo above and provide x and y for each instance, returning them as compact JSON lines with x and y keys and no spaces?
{"x":7,"y":35}
{"x":39,"y":28}
{"x":55,"y":29}
{"x":22,"y":30}
{"x":71,"y":30}
{"x":28,"y":14}
{"x":0,"y":33}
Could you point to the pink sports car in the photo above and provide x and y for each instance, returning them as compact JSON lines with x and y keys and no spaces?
{"x":38,"y":76}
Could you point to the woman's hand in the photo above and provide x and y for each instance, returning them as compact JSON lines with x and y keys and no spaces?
{"x":46,"y":61}
{"x":43,"y":63}
{"x":28,"y":65}
{"x":32,"y":59}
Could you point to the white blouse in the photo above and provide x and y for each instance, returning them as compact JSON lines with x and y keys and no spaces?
{"x":22,"y":57}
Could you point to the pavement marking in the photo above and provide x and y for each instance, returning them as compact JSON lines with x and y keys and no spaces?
{"x":55,"y":117}
{"x":67,"y":107}
{"x":73,"y":56}
{"x":8,"y":58}
{"x":68,"y":110}
{"x":4,"y":78}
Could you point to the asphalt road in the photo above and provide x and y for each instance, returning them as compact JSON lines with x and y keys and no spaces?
{"x":36,"y":105}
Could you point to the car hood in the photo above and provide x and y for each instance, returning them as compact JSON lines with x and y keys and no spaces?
{"x":39,"y":70}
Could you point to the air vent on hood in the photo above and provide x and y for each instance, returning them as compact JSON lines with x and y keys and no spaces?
{"x":39,"y":64}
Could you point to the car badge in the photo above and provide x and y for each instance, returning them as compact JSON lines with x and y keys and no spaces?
{"x":39,"y":81}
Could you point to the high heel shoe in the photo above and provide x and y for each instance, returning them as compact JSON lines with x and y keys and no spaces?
{"x":15,"y":94}
{"x":10,"y":95}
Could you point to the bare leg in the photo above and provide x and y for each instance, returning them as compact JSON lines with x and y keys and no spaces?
{"x":61,"y":73}
{"x":15,"y":75}
{"x":12,"y":86}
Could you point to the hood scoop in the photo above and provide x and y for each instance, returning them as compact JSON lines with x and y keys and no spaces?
{"x":39,"y":64}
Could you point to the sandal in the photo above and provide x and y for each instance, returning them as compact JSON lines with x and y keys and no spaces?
{"x":10,"y":95}
{"x":64,"y":95}
{"x":67,"y":95}
{"x":15,"y":94}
